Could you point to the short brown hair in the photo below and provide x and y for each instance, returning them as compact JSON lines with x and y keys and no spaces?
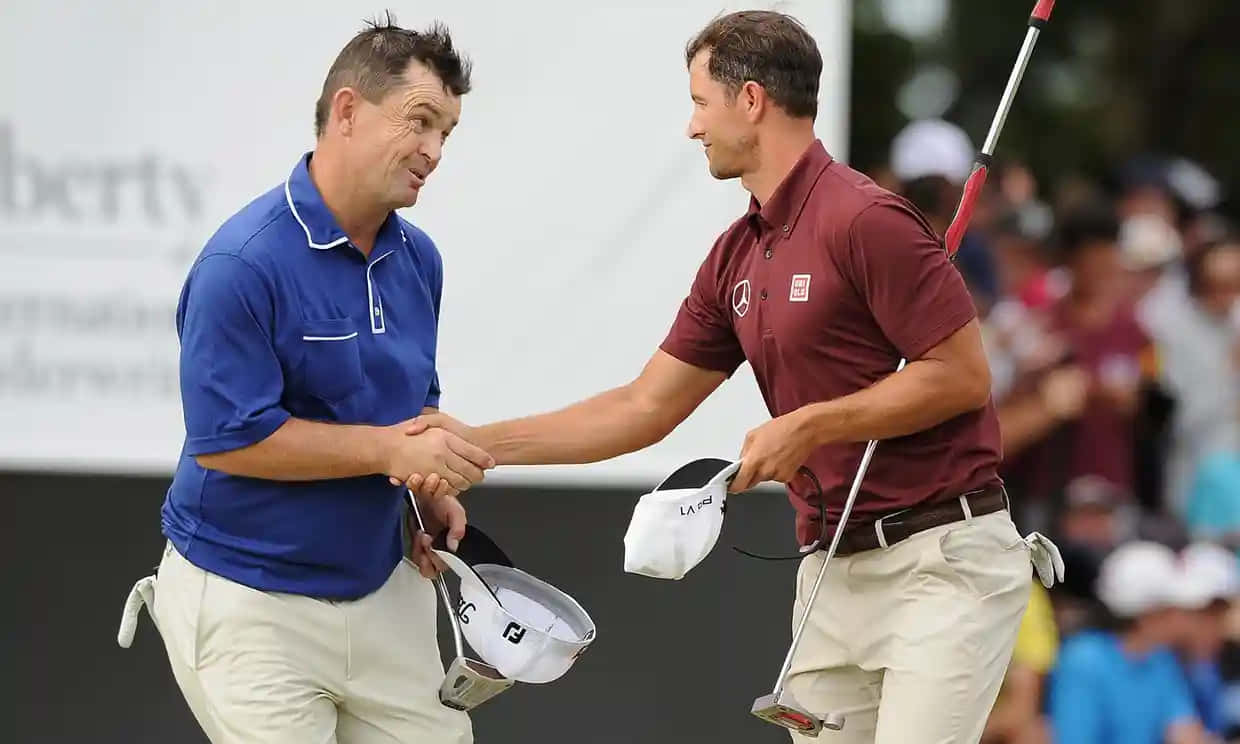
{"x":374,"y":61}
{"x":772,"y":49}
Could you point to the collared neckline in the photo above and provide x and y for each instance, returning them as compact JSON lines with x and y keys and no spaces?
{"x":784,"y":207}
{"x":316,"y":220}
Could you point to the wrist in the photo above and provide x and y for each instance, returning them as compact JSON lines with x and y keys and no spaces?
{"x":815,"y":423}
{"x":378,"y":446}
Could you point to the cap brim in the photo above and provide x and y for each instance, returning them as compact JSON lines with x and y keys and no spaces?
{"x":698,"y":474}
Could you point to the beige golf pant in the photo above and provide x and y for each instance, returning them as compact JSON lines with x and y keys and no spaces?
{"x":911,"y":642}
{"x":261,"y":667}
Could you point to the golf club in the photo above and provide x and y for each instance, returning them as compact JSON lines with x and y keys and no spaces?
{"x":468,"y":682}
{"x":779,"y":707}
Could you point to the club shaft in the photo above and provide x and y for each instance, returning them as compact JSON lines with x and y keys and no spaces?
{"x":441,"y":586}
{"x":1009,"y":93}
{"x":822,"y":571}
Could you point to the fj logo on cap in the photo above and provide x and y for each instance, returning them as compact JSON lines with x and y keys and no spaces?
{"x":800,"y":288}
{"x":514,"y":633}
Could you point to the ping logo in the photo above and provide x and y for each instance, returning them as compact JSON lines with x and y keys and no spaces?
{"x":694,"y":508}
{"x":514,"y":633}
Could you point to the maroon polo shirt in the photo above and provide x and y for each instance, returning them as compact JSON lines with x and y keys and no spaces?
{"x":822,"y":290}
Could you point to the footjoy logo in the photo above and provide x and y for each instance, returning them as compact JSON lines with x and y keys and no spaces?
{"x":514,"y":633}
{"x":100,"y":190}
{"x":694,"y":508}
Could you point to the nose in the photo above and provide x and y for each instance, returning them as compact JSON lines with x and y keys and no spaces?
{"x":431,"y":148}
{"x":692,"y":130}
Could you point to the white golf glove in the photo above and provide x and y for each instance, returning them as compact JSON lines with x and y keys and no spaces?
{"x":1045,"y":557}
{"x":142,"y":594}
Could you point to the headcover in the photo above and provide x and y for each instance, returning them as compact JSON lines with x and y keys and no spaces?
{"x":677,"y":524}
{"x":524,"y":627}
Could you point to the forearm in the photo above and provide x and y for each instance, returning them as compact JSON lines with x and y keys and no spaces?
{"x":923,"y":394}
{"x":303,"y":450}
{"x":607,"y":425}
{"x":1023,"y":421}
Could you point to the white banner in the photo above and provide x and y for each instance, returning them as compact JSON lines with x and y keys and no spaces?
{"x":570,"y":208}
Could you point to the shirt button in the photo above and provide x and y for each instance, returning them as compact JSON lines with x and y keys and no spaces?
{"x":785,"y":228}
{"x":763,"y":295}
{"x":768,"y":252}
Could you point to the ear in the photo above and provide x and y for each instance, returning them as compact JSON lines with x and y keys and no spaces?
{"x":344,"y":106}
{"x":752,"y":100}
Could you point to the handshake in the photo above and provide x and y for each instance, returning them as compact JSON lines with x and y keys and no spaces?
{"x":434,"y":455}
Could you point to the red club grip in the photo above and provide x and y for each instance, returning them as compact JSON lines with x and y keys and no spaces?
{"x":1042,"y":11}
{"x":960,"y":223}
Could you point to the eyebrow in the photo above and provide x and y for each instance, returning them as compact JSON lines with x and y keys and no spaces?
{"x":437,"y":112}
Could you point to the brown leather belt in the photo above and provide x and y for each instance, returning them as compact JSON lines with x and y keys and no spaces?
{"x":901,"y":525}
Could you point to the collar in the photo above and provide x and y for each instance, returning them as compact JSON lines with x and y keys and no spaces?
{"x":785,"y":205}
{"x":308,"y":208}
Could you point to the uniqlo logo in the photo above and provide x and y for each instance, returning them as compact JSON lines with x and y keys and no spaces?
{"x":800,"y":288}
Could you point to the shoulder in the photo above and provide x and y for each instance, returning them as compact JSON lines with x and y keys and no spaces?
{"x":1087,"y":652}
{"x":858,"y":203}
{"x":420,"y":245}
{"x":257,"y":232}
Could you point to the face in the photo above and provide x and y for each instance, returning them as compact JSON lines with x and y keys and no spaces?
{"x":723,"y":123}
{"x":1097,"y":267}
{"x":396,"y":144}
{"x":1220,"y":282}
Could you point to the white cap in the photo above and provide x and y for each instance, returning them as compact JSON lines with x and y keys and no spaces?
{"x":1138,"y":577}
{"x":677,"y":524}
{"x":1146,"y":241}
{"x":524,"y":627}
{"x":1208,"y":572}
{"x":932,"y":147}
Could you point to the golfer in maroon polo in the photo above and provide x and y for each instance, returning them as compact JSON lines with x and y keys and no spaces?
{"x":823,"y":285}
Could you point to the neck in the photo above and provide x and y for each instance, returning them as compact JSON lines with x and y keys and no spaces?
{"x":778,"y":151}
{"x":354,"y":212}
{"x":1138,"y":643}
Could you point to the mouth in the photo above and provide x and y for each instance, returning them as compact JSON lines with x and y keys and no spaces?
{"x":419,"y":179}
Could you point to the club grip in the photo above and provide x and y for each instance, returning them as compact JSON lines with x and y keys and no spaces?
{"x":960,"y":223}
{"x":1042,"y":11}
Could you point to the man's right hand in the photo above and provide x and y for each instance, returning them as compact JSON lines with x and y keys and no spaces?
{"x":455,"y":463}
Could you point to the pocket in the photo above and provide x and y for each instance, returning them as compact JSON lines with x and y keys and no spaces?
{"x":332,"y":361}
{"x":987,"y":555}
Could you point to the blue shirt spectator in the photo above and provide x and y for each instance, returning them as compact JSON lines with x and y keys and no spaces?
{"x":1100,"y":694}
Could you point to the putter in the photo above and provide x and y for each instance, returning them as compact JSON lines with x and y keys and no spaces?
{"x":468,"y":682}
{"x":780,"y":707}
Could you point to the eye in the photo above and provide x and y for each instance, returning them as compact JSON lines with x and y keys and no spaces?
{"x":419,"y":123}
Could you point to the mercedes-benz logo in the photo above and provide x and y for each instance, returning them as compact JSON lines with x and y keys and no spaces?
{"x":740,"y":298}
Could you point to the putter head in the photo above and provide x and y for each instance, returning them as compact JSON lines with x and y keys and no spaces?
{"x":470,"y":683}
{"x":783,"y":710}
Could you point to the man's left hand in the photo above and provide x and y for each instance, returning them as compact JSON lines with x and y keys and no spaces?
{"x":774,"y":451}
{"x":437,"y":512}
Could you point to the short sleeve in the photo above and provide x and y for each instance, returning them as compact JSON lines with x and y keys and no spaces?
{"x":913,"y":291}
{"x":436,"y":280}
{"x":231,"y":380}
{"x":702,"y":333}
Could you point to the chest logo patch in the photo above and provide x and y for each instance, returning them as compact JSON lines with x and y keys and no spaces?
{"x":740,"y":298}
{"x":800,"y":288}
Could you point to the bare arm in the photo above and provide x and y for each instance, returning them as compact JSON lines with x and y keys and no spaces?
{"x":613,"y":423}
{"x":950,"y":379}
{"x":303,"y":450}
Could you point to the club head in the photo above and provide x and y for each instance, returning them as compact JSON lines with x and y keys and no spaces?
{"x":783,"y":710}
{"x":470,"y":683}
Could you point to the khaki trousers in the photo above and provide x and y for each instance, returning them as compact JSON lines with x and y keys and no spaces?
{"x":911,"y":642}
{"x":261,"y":667}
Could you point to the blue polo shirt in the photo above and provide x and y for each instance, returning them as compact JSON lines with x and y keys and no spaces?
{"x":1099,"y":694}
{"x":281,"y":316}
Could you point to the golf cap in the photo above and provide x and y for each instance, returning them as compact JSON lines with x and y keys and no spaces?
{"x":677,"y":524}
{"x":1140,"y":577}
{"x":932,"y":147}
{"x":1208,"y":573}
{"x":521,"y":625}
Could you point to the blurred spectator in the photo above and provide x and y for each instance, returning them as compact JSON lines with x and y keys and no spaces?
{"x":1098,"y":322}
{"x":1151,"y":250}
{"x":1022,"y":260}
{"x":1125,"y":686}
{"x":1094,"y":520}
{"x":1017,"y":715}
{"x":1210,"y":578}
{"x":932,"y":159}
{"x":1145,"y":188}
{"x":1214,"y":501}
{"x":1197,"y":339}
